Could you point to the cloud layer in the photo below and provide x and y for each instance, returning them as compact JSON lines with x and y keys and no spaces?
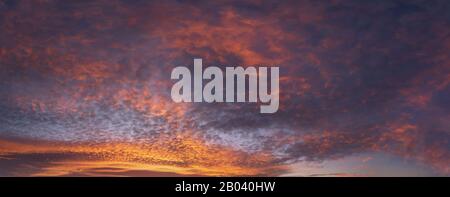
{"x":87,"y":84}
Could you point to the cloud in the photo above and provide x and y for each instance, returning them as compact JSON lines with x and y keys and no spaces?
{"x":356,"y":77}
{"x":181,"y":154}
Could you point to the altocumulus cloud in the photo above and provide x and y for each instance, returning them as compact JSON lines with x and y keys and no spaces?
{"x":85,"y":86}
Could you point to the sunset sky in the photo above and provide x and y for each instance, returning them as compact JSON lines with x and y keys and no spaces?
{"x":85,"y":88}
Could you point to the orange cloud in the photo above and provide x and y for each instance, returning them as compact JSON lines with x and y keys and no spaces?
{"x":181,"y":154}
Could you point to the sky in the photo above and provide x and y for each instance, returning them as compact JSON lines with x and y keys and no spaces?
{"x":85,"y":88}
